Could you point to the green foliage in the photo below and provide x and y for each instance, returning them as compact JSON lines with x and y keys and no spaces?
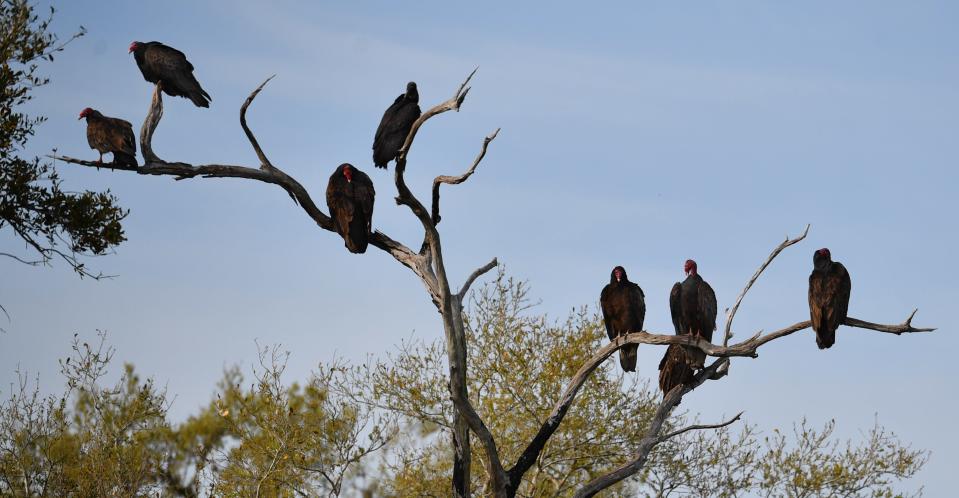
{"x":270,"y":438}
{"x":52,"y":222}
{"x":812,"y":464}
{"x":293,"y":440}
{"x":267,"y":440}
{"x":90,"y":441}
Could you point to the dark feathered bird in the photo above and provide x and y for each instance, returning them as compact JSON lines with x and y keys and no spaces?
{"x":692,"y":304}
{"x":395,"y":126}
{"x":349,"y":195}
{"x":624,"y":309}
{"x":674,"y":368}
{"x":160,"y":63}
{"x":106,"y":134}
{"x":829,"y":287}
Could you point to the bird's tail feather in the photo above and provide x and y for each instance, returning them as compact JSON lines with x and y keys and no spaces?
{"x":825,"y":338}
{"x":125,"y":159}
{"x":627,"y":357}
{"x":198,"y":99}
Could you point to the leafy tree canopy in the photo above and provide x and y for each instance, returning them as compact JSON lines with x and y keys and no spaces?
{"x":51,"y":221}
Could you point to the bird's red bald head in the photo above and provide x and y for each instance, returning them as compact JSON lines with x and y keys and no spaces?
{"x":690,"y":267}
{"x":618,"y":273}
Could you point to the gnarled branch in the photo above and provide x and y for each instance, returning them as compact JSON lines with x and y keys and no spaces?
{"x":652,"y":437}
{"x":405,"y":196}
{"x":150,"y":124}
{"x":746,"y":349}
{"x":181,"y":170}
{"x":450,"y":307}
{"x":714,"y":371}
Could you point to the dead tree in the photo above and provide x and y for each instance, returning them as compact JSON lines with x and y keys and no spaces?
{"x":428,"y":265}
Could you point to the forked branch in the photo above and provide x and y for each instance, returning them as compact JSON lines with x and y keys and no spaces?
{"x":746,"y":348}
{"x":450,"y":307}
{"x":453,"y":104}
{"x":652,"y":436}
{"x":405,"y":196}
{"x":716,"y":370}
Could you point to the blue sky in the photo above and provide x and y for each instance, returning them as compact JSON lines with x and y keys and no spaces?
{"x":638,"y":134}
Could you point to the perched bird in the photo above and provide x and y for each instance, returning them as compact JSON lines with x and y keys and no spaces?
{"x":674,"y":368}
{"x":106,"y":134}
{"x":349,"y":195}
{"x":829,"y":287}
{"x":692,"y":304}
{"x":624,"y":309}
{"x":395,"y":126}
{"x":162,"y":64}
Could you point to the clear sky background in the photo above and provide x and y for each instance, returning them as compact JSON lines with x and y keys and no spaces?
{"x":638,"y":134}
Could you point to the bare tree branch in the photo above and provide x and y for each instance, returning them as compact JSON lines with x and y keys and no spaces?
{"x":405,"y":196}
{"x":473,"y":276}
{"x":21,"y":260}
{"x":265,"y":163}
{"x":456,"y":180}
{"x":731,"y":313}
{"x":717,"y":370}
{"x":714,"y":371}
{"x":453,"y":104}
{"x":154,"y":114}
{"x":181,"y":170}
{"x":748,"y":347}
{"x":466,"y":419}
{"x":699,"y":428}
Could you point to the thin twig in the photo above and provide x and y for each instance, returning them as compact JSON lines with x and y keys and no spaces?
{"x":456,"y":180}
{"x":699,"y":427}
{"x":732,"y":311}
{"x":473,"y":276}
{"x":264,"y":162}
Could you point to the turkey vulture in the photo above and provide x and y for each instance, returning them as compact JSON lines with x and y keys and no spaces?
{"x":693,"y":306}
{"x":624,"y":309}
{"x":349,"y":195}
{"x":674,"y":368}
{"x":106,"y":134}
{"x":829,"y":287}
{"x":395,"y":126}
{"x":162,"y":64}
